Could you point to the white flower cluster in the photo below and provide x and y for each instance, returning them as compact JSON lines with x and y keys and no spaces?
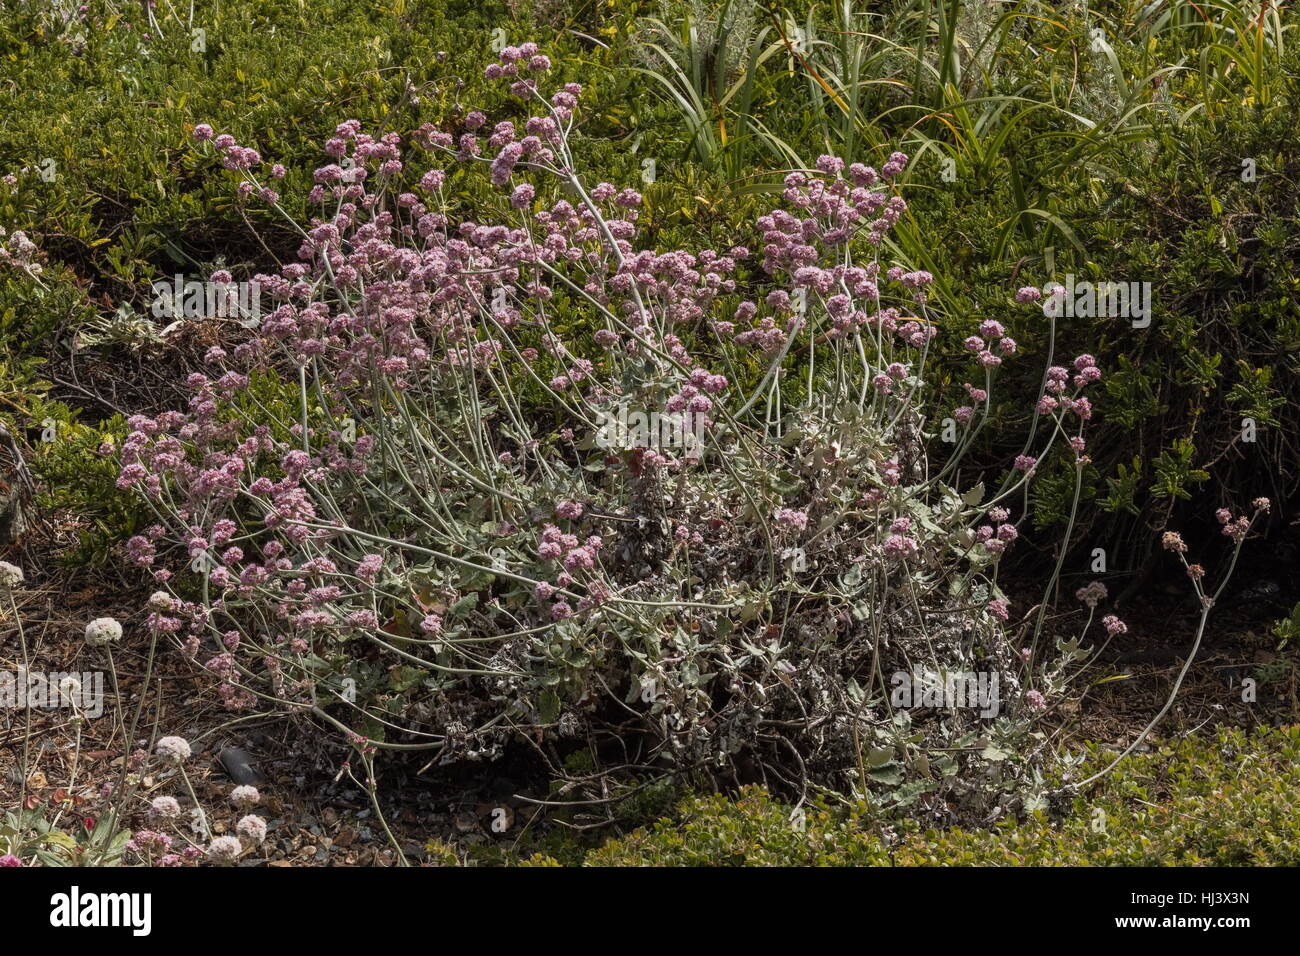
{"x":10,"y":576}
{"x":173,"y":749}
{"x":102,"y":631}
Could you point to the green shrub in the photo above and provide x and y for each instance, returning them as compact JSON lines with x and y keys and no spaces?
{"x":1040,"y":151}
{"x":96,"y":138}
{"x":1222,"y":800}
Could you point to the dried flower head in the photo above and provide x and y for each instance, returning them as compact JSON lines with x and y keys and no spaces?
{"x":244,"y":796}
{"x":10,"y":576}
{"x":173,"y":749}
{"x":103,"y":631}
{"x":165,"y":807}
{"x":225,"y":849}
{"x":252,"y":828}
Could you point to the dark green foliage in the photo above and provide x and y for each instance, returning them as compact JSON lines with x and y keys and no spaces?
{"x":1223,"y":800}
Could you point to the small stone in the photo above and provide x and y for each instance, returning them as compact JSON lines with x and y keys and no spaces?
{"x":239,"y":765}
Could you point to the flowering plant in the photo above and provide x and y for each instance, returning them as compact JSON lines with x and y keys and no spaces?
{"x":433,"y":551}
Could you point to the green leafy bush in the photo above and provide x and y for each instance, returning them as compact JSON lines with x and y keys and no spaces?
{"x":1221,"y":800}
{"x":95,"y":166}
{"x":1110,"y":141}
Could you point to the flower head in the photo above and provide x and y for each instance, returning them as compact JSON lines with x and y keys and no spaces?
{"x":224,"y":849}
{"x":1091,"y":594}
{"x":102,"y":631}
{"x":252,"y":828}
{"x":10,"y":576}
{"x":165,"y":807}
{"x":244,"y":796}
{"x":790,"y":518}
{"x":173,"y":749}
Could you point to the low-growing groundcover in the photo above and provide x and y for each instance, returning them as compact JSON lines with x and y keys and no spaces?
{"x":1226,"y":799}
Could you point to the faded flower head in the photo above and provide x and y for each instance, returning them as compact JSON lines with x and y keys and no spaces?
{"x":70,"y":688}
{"x":10,"y":576}
{"x":102,"y":631}
{"x":224,"y":849}
{"x":1091,"y":594}
{"x":244,"y":796}
{"x":173,"y":749}
{"x":165,"y":807}
{"x":161,"y":602}
{"x":252,"y":828}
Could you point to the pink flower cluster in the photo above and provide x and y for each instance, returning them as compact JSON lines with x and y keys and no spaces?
{"x":999,"y":535}
{"x":1234,"y":528}
{"x":401,"y":316}
{"x":572,"y":552}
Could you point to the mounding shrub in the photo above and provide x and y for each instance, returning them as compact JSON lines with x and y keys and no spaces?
{"x":541,"y":487}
